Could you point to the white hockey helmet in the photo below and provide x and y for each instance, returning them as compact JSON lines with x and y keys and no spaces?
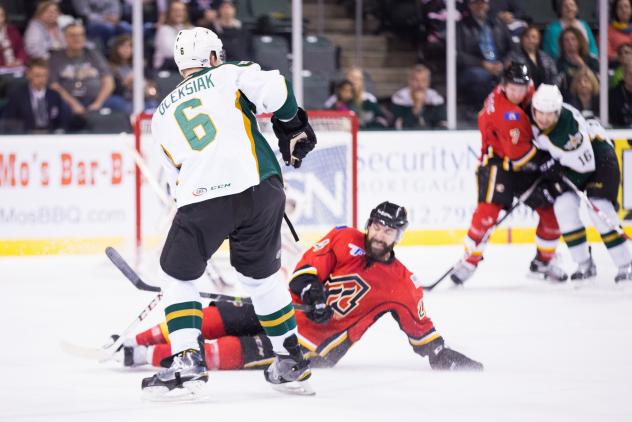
{"x":193,"y":48}
{"x":547,"y":99}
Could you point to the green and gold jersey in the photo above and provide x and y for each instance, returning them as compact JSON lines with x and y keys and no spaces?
{"x":208,"y":131}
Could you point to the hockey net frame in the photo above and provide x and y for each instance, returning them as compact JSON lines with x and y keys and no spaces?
{"x":321,"y":121}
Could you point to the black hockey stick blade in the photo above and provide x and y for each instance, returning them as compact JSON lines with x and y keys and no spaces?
{"x":127,"y":271}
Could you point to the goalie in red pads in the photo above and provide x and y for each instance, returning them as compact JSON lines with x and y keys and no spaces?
{"x":351,"y":279}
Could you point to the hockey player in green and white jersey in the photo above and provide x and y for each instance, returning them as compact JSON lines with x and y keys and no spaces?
{"x":580,"y":150}
{"x":228,"y":185}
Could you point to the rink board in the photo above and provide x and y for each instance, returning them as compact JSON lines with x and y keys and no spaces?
{"x":74,"y":193}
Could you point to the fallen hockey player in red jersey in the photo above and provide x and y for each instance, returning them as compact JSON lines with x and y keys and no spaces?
{"x":350,"y":278}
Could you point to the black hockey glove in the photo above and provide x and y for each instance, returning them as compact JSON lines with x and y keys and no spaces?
{"x":444,"y":359}
{"x":551,"y":169}
{"x":296,"y":138}
{"x":315,"y":294}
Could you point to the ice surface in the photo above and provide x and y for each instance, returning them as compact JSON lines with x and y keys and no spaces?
{"x":552,"y":352}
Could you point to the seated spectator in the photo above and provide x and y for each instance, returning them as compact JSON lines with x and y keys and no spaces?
{"x":568,"y":12}
{"x":483,"y":43}
{"x":584,"y":92}
{"x":202,"y":12}
{"x":620,"y":28}
{"x":12,"y":53}
{"x":369,"y":112}
{"x":122,"y":70}
{"x":43,"y":33}
{"x":154,"y":12}
{"x":102,"y":19}
{"x":236,"y":39}
{"x":420,"y":115}
{"x":405,"y":99}
{"x":176,"y":20}
{"x":511,"y":14}
{"x":434,"y":18}
{"x":574,"y":56}
{"x":620,"y":100}
{"x":33,"y":107}
{"x":541,"y":66}
{"x":81,"y":75}
{"x":344,"y":94}
{"x":624,"y":55}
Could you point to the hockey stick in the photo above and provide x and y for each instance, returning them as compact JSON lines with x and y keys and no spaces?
{"x":525,"y":195}
{"x":602,"y":215}
{"x":120,"y":263}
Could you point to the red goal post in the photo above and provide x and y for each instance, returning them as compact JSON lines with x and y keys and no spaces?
{"x":324,"y":190}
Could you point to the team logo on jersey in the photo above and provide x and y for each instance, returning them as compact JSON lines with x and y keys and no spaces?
{"x":511,"y":116}
{"x":199,"y":191}
{"x":355,"y":250}
{"x":514,"y":134}
{"x":344,"y":293}
{"x":574,"y":141}
{"x":320,"y":245}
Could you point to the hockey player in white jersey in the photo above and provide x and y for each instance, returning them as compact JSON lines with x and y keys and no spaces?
{"x":228,"y":185}
{"x":581,"y":151}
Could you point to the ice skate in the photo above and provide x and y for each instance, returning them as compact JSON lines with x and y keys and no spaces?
{"x":585,"y":270}
{"x":547,"y":270}
{"x":462,"y":271}
{"x":624,"y":273}
{"x":187,"y":371}
{"x":289,"y":373}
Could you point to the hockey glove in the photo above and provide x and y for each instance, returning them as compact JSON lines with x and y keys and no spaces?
{"x":296,"y":138}
{"x":444,"y":359}
{"x":551,"y":169}
{"x":315,"y":294}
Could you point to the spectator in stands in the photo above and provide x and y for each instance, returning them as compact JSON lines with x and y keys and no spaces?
{"x":624,"y":55}
{"x":12,"y":52}
{"x":419,"y":115}
{"x":122,"y":71}
{"x":102,"y":19}
{"x":369,"y":112}
{"x":344,"y":94}
{"x":236,"y":39}
{"x":620,"y":100}
{"x":43,"y":33}
{"x":434,"y":19}
{"x":33,"y":107}
{"x":620,"y":28}
{"x":574,"y":56}
{"x":202,"y":12}
{"x":418,"y":105}
{"x":154,"y":12}
{"x":584,"y":92}
{"x":176,"y":20}
{"x":542,"y":68}
{"x":568,"y":12}
{"x":81,"y":75}
{"x":483,"y":45}
{"x":511,"y":14}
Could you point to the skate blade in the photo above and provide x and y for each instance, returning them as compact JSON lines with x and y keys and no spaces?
{"x":297,"y":388}
{"x":544,"y":277}
{"x":189,"y":392}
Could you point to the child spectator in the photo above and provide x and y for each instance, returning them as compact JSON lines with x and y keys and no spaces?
{"x":624,"y":55}
{"x":568,"y":12}
{"x":541,"y":66}
{"x":43,"y":33}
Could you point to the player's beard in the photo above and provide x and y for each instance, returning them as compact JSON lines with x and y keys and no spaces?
{"x":378,"y":250}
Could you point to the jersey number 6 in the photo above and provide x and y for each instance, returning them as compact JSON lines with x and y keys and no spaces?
{"x":199,"y":130}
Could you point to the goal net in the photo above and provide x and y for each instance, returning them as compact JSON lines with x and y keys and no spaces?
{"x":321,"y":194}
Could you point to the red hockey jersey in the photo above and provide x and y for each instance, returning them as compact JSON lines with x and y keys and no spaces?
{"x":506,"y":131}
{"x":359,"y":295}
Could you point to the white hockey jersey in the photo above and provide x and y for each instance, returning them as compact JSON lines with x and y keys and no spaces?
{"x":208,"y":131}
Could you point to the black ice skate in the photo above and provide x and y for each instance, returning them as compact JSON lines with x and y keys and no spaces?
{"x":585,"y":270}
{"x":187,"y":371}
{"x":547,"y":270}
{"x":624,"y":273}
{"x":289,"y":373}
{"x":462,"y":271}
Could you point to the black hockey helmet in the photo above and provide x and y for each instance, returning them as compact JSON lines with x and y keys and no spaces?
{"x":517,"y":73}
{"x":389,"y":214}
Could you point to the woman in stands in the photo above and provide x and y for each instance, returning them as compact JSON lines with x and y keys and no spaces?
{"x":177,"y":19}
{"x":620,"y":28}
{"x":567,"y":12}
{"x":574,"y":57}
{"x":541,"y":66}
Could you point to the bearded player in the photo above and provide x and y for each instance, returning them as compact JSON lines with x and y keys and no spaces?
{"x":350,"y":279}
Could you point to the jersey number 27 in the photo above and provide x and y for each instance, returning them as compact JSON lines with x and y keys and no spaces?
{"x":198,"y":130}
